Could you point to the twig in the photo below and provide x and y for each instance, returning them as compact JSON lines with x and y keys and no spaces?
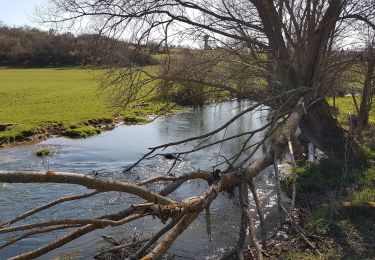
{"x":36,"y":232}
{"x":94,"y":221}
{"x":114,"y":248}
{"x":299,"y":230}
{"x":58,"y":243}
{"x":83,"y":180}
{"x":294,"y":174}
{"x":260,"y":212}
{"x":155,"y":238}
{"x":277,"y":184}
{"x":208,"y":223}
{"x":249,"y":219}
{"x":48,"y":205}
{"x":241,"y":237}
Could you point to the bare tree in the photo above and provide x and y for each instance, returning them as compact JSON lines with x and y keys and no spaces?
{"x":367,"y":69}
{"x":276,"y":53}
{"x":286,"y":43}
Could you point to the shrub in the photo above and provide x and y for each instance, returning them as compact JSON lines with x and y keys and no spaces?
{"x":42,"y":152}
{"x":81,"y":132}
{"x":322,"y":176}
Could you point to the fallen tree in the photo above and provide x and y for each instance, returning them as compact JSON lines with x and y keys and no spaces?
{"x":179,"y":214}
{"x":276,"y":53}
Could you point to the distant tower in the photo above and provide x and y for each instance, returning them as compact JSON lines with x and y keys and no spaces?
{"x":205,"y":38}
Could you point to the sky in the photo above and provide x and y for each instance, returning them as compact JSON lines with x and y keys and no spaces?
{"x":19,"y":12}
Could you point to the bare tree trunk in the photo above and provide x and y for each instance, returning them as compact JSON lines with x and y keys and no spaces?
{"x":363,"y":115}
{"x":322,"y":129}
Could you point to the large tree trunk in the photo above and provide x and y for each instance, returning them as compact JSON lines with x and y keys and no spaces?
{"x":363,"y":115}
{"x":322,"y":129}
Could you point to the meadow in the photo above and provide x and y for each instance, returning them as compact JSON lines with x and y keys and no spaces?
{"x":34,"y":99}
{"x":38,"y":98}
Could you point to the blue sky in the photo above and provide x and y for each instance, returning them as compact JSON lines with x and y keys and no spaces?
{"x":19,"y":12}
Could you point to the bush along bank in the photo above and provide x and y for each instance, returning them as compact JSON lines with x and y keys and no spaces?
{"x":336,"y":209}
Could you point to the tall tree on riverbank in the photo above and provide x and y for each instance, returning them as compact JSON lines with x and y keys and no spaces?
{"x":367,"y":71}
{"x":280,"y":52}
{"x":287,"y":43}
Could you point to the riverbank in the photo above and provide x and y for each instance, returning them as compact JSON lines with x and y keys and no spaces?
{"x":81,"y":130}
{"x":335,"y":209}
{"x":335,"y":204}
{"x":44,"y":102}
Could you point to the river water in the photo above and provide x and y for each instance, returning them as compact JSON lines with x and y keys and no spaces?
{"x":111,"y":152}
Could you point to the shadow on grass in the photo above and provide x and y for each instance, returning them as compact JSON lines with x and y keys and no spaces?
{"x":354,"y":232}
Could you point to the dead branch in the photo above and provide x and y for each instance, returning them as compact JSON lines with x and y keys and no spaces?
{"x":190,"y":176}
{"x":36,"y":232}
{"x":299,"y":230}
{"x":171,"y":236}
{"x":48,"y":205}
{"x":259,"y":210}
{"x":177,"y":183}
{"x":159,"y":205}
{"x":244,"y":201}
{"x":69,"y":222}
{"x":83,"y":180}
{"x":114,"y":248}
{"x":208,"y":223}
{"x":294,"y":175}
{"x":155,"y":238}
{"x":56,"y":244}
{"x":281,"y":142}
{"x":240,"y":246}
{"x":65,"y":239}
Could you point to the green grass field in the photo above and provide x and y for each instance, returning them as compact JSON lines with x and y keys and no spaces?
{"x":346,"y":106}
{"x":36,"y":98}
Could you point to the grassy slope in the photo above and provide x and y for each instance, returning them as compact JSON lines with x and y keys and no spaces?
{"x":36,"y":98}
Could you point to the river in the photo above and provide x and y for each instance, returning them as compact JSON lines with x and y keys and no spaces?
{"x":111,"y":152}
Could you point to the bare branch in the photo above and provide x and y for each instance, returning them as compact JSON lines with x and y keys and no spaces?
{"x":83,"y":180}
{"x":48,"y":205}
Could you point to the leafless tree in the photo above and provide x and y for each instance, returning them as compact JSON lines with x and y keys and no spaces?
{"x":286,"y":43}
{"x":367,"y":71}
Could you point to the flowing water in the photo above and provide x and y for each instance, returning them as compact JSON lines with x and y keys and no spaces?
{"x":112,"y":151}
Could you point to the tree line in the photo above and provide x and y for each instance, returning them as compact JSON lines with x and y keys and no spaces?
{"x":31,"y":47}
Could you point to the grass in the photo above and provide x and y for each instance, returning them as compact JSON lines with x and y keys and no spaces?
{"x":81,"y":132}
{"x":42,"y":152}
{"x":322,"y":176}
{"x":329,"y":175}
{"x":364,"y":191}
{"x":345,"y":106}
{"x":345,"y":220}
{"x":35,"y":99}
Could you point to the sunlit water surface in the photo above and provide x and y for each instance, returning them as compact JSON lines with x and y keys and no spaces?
{"x":111,"y":152}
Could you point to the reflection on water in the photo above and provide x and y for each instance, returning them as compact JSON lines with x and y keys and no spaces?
{"x":112,"y":151}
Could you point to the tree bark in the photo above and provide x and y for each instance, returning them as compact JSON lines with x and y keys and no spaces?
{"x":363,"y":115}
{"x":323,"y":130}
